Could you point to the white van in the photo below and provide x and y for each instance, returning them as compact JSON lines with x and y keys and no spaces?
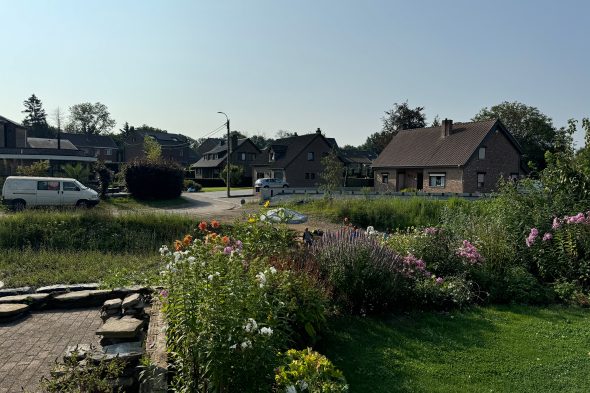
{"x":22,"y":191}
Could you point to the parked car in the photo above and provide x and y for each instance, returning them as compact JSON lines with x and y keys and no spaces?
{"x":22,"y":191}
{"x":268,"y":182}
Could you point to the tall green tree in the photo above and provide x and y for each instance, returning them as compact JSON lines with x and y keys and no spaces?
{"x":152,"y":149}
{"x":331,"y":178}
{"x":235,"y":174}
{"x":400,"y":117}
{"x":36,"y":118}
{"x":90,"y":119}
{"x":533,"y":130}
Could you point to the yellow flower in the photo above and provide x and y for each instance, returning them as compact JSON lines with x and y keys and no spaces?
{"x":267,"y":204}
{"x":252,"y":219}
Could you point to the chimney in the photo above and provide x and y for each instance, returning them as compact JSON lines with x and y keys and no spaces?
{"x":318,"y":131}
{"x":447,"y":127}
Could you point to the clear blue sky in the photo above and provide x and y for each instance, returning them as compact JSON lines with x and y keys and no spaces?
{"x":294,"y":65}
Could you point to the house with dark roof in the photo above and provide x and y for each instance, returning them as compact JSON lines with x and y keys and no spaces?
{"x":458,"y":158}
{"x":175,"y":147}
{"x":243,"y":153}
{"x":103,"y":147}
{"x":16,"y":149}
{"x":296,"y":159}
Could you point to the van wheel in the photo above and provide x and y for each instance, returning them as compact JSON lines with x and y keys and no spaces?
{"x":19,"y":205}
{"x":265,"y":187}
{"x":82,"y":204}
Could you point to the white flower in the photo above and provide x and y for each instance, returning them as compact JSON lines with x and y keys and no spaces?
{"x":266,"y":330}
{"x":250,"y":325}
{"x":210,"y":277}
{"x":191,"y":259}
{"x":246,"y":344}
{"x":302,"y":384}
{"x":261,"y":278}
{"x":164,"y":250}
{"x":273,"y":270}
{"x":176,"y":256}
{"x":233,"y":346}
{"x":291,"y":389}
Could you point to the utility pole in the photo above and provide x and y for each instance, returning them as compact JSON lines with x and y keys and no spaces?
{"x":227,"y":166}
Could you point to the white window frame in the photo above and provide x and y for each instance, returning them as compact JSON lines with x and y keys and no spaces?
{"x":482,"y":183}
{"x":385,"y":177}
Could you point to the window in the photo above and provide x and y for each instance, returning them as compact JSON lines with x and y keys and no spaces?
{"x":181,"y":153}
{"x":271,"y":156}
{"x":243,"y":156}
{"x":69,"y":186}
{"x":385,"y":177}
{"x":481,"y":180}
{"x":482,"y":153}
{"x":310,"y":156}
{"x":437,"y":180}
{"x":48,"y":185}
{"x":108,"y":152}
{"x":309,"y":176}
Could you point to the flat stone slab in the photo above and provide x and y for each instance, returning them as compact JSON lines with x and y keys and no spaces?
{"x":112,"y":304}
{"x":15,"y":291}
{"x":80,"y":295}
{"x":130,"y":352}
{"x":68,"y":287}
{"x":126,"y":327}
{"x":80,"y":351}
{"x":26,"y":298}
{"x":131,"y":300}
{"x":10,"y":310}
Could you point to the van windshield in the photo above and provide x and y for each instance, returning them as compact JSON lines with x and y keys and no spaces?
{"x":82,"y":186}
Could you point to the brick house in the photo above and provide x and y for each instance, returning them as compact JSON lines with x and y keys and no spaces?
{"x":457,"y":158}
{"x":103,"y":147}
{"x":296,"y":159}
{"x":175,"y":147}
{"x":243,"y":153}
{"x":16,"y":149}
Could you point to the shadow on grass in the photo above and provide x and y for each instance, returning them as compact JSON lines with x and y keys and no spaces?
{"x":130,"y":203}
{"x":503,"y":348}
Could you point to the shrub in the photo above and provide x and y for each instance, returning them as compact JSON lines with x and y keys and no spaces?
{"x":105,"y":176}
{"x":363,"y":274}
{"x":230,"y":313}
{"x":308,"y":371}
{"x":154,"y":179}
{"x":37,"y":168}
{"x":188,"y":183}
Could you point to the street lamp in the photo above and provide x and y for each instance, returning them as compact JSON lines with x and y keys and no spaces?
{"x":227,"y":166}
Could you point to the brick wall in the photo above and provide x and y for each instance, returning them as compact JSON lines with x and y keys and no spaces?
{"x":391,"y":184}
{"x":501,"y":159}
{"x":453,"y":180}
{"x":295,"y":172}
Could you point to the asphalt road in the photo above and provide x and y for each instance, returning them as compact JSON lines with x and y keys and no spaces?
{"x":214,"y":204}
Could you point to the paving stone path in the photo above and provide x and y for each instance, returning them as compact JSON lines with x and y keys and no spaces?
{"x":30,"y":346}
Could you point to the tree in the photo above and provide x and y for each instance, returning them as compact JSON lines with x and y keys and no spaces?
{"x":152,"y":149}
{"x":37,"y":168}
{"x":90,"y":119}
{"x":532,"y":129}
{"x":332,"y":176}
{"x":235,"y":174}
{"x":284,"y":134}
{"x":36,"y":118}
{"x":105,"y":177}
{"x":400,"y":117}
{"x":58,"y":118}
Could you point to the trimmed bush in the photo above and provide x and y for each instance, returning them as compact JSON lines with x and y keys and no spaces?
{"x":154,"y":179}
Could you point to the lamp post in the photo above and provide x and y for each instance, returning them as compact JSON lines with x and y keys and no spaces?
{"x":227,"y":167}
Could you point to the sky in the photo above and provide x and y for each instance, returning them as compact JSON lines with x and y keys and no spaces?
{"x":294,"y":65}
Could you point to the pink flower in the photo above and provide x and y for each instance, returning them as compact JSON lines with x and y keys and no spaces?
{"x":431,"y":230}
{"x":227,"y":250}
{"x":547,"y":236}
{"x":556,"y":223}
{"x":164,"y":293}
{"x":530,"y":240}
{"x":469,"y":253}
{"x":439,"y":280}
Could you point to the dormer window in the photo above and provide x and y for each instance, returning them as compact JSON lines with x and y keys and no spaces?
{"x":271,"y":156}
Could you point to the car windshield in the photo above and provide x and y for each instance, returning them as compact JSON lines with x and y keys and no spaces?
{"x":82,"y":186}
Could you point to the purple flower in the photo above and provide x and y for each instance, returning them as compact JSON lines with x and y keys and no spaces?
{"x":547,"y":236}
{"x":227,"y":250}
{"x":556,"y":223}
{"x":239,"y":244}
{"x":530,"y":240}
{"x":164,"y":293}
{"x":469,"y":253}
{"x":439,"y":280}
{"x":431,"y":230}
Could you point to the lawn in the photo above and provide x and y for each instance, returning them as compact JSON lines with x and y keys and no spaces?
{"x":130,"y":203}
{"x":491,"y":349}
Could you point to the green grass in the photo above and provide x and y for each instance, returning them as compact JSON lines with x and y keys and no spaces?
{"x":492,"y":349}
{"x":130,"y":203}
{"x":382,"y":213}
{"x":44,"y":267}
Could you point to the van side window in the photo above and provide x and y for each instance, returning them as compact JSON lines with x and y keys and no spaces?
{"x":42,"y":185}
{"x":48,"y":185}
{"x":69,"y":186}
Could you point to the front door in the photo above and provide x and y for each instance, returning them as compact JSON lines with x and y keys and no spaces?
{"x":70,"y":193}
{"x":419,"y":180}
{"x":401,"y":181}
